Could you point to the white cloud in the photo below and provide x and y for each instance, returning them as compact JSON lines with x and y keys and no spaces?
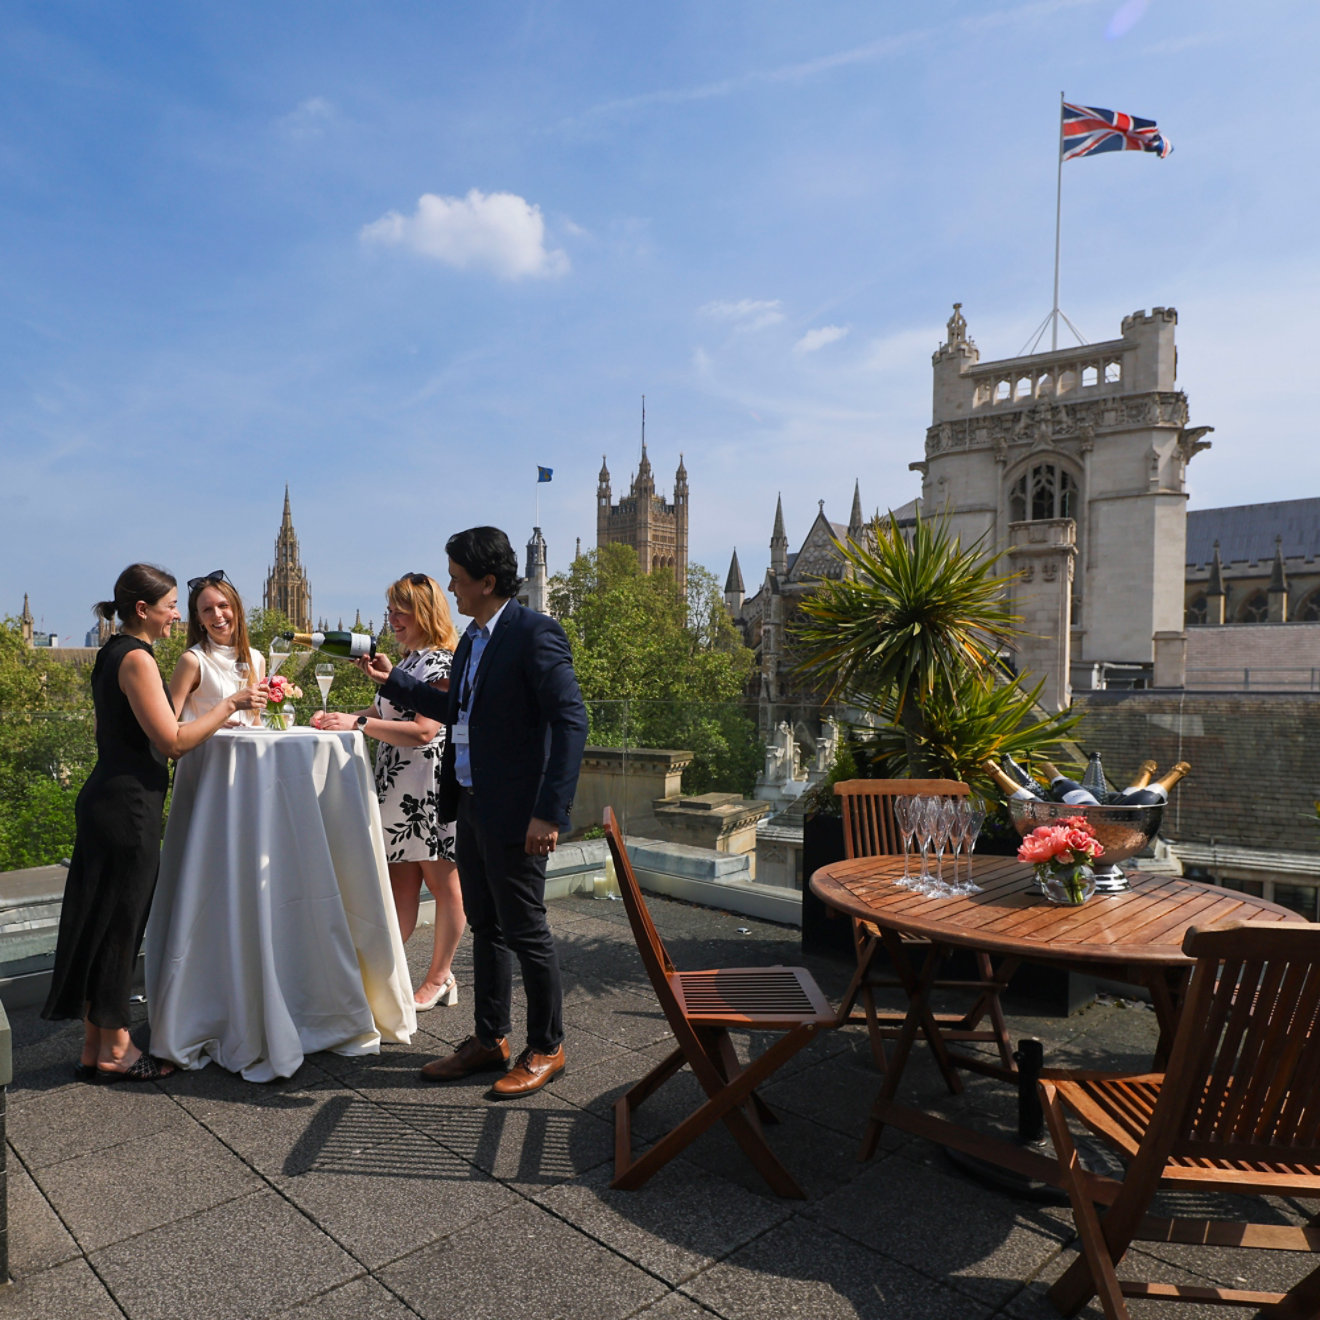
{"x":819,"y":338}
{"x":308,"y":120}
{"x":498,"y":232}
{"x":746,"y":313}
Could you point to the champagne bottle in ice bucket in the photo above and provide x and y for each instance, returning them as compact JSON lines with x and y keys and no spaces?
{"x":337,"y":644}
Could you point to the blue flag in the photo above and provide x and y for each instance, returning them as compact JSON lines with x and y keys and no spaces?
{"x":544,"y":474}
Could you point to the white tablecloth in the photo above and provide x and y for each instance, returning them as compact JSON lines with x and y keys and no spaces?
{"x":273,"y":932}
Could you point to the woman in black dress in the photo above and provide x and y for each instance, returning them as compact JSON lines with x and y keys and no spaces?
{"x":116,"y":850}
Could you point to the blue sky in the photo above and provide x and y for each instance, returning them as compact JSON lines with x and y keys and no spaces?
{"x":399,"y":254}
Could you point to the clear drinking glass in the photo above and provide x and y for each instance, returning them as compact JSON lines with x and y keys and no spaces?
{"x":957,"y":837}
{"x":325,"y":676}
{"x":243,"y":673}
{"x":279,"y":653}
{"x":971,"y":830}
{"x":925,"y":809}
{"x":942,"y":825}
{"x":905,"y":818}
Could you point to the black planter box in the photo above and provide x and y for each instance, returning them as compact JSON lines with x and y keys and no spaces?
{"x":823,"y":930}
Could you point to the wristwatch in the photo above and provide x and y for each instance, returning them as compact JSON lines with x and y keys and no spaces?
{"x":361,"y":722}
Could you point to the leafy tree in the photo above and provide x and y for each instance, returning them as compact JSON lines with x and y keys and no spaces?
{"x":46,"y":750}
{"x":660,"y":669}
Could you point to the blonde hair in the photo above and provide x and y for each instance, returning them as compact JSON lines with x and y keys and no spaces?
{"x":420,"y":595}
{"x":197,"y":632}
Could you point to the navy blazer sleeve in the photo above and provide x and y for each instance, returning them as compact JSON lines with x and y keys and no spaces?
{"x":412,"y":693}
{"x":565,"y":716}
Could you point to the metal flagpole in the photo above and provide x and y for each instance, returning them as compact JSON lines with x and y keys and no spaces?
{"x":1058,"y":214}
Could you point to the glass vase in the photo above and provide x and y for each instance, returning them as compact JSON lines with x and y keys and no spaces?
{"x":1069,"y":886}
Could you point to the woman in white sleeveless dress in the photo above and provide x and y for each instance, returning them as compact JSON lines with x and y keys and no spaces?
{"x":217,"y":641}
{"x":418,"y":847}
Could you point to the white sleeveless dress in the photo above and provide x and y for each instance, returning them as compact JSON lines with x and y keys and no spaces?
{"x":217,"y":680}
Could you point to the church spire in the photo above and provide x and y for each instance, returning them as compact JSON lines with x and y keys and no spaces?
{"x":855,"y":517}
{"x":779,"y":541}
{"x":734,"y":590}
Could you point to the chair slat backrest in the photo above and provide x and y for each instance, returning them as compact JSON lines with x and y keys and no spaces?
{"x":869,"y":828}
{"x":1243,"y":1081}
{"x":654,"y":955}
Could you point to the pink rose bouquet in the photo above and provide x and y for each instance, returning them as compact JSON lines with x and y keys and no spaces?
{"x":280,"y":691}
{"x":1058,"y":851}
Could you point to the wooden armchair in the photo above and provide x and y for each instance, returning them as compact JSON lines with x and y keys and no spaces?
{"x":1237,"y":1110}
{"x":869,"y":830}
{"x":701,"y":1007}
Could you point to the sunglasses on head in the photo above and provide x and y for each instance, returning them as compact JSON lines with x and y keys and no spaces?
{"x":195,"y":584}
{"x":418,"y":580}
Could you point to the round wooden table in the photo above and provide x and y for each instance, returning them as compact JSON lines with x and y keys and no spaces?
{"x":1134,"y":937}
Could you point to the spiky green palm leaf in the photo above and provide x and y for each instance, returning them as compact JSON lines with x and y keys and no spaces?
{"x":979,"y":718}
{"x":906,"y":614}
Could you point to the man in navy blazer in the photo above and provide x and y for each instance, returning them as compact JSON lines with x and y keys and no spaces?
{"x":516,"y":731}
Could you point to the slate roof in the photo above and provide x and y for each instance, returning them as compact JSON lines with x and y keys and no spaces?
{"x":1255,"y":761}
{"x":1246,"y":532}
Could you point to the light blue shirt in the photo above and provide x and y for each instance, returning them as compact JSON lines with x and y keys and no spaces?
{"x":479,"y":635}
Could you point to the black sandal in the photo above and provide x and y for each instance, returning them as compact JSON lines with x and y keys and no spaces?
{"x":145,"y":1068}
{"x":85,"y":1072}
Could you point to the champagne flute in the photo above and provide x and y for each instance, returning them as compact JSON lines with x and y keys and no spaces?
{"x":905,"y":818}
{"x":279,"y":653}
{"x":925,"y":825}
{"x":941,"y":828}
{"x":242,"y":672}
{"x":957,"y":836}
{"x":325,"y":676}
{"x":971,"y":831}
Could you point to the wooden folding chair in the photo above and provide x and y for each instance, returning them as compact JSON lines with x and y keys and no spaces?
{"x":701,"y":1007}
{"x":869,"y":830}
{"x":1237,"y":1111}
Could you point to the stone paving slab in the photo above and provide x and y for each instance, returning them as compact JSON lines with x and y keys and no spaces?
{"x":354,"y":1190}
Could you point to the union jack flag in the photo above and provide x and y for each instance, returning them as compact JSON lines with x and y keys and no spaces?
{"x":1088,"y":131}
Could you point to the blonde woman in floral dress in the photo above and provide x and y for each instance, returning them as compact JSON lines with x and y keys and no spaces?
{"x":417,"y":847}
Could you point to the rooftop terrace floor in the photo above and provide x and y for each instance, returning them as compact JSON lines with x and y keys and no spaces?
{"x":355,"y":1192}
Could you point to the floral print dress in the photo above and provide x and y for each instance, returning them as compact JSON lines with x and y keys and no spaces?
{"x":408,"y":778}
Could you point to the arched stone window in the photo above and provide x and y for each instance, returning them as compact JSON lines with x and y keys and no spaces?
{"x":1090,"y":376}
{"x":1255,"y":609}
{"x":1043,"y":491}
{"x":1023,"y":390}
{"x":1003,"y":391}
{"x":1309,"y":610}
{"x":1113,"y":372}
{"x":1198,"y":611}
{"x":1067,"y":381}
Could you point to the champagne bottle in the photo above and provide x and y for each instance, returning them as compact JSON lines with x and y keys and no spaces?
{"x":1020,"y":773}
{"x":1063,"y":789}
{"x":1010,"y":786}
{"x":1156,"y":793}
{"x":1140,"y":779}
{"x":1094,"y":778}
{"x":339,"y":645}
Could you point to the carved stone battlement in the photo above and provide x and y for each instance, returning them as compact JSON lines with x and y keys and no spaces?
{"x":1042,"y":422}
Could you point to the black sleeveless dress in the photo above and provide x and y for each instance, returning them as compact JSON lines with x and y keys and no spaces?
{"x":116,"y":854}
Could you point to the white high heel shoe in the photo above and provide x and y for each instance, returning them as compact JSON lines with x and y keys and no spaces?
{"x":447,"y":996}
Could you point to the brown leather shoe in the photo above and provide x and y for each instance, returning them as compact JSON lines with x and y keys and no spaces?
{"x":530,"y":1073}
{"x":470,"y":1057}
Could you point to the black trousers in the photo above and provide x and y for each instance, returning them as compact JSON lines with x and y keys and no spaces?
{"x":504,"y":899}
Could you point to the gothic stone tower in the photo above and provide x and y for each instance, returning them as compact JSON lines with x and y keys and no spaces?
{"x":656,"y":530}
{"x":287,"y":588}
{"x":1073,"y":462}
